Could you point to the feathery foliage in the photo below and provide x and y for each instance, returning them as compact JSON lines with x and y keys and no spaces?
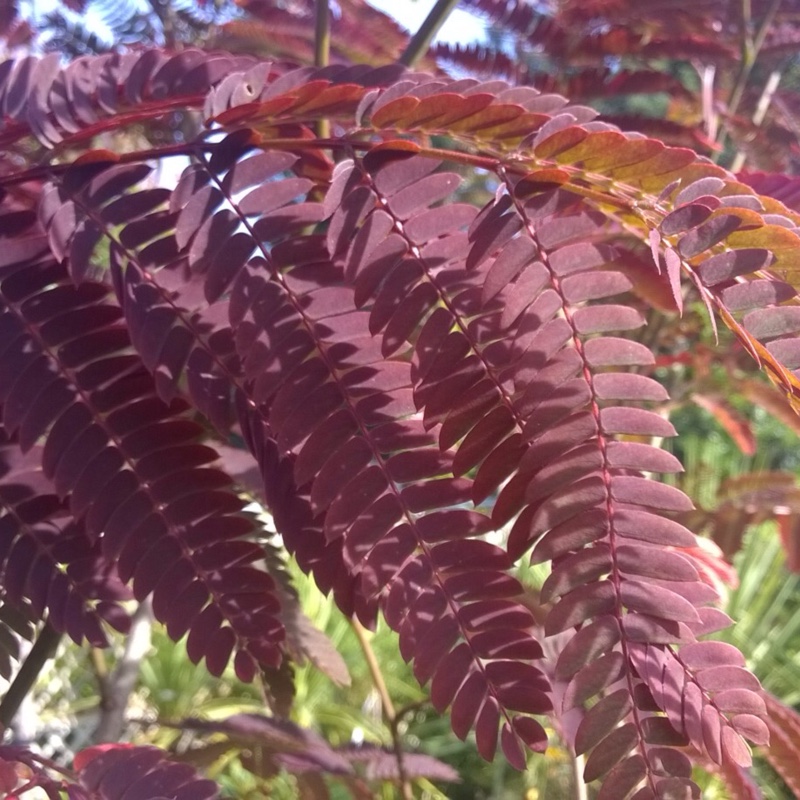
{"x":434,"y":384}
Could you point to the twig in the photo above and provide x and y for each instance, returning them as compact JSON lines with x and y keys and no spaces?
{"x":421,"y":40}
{"x":707,"y":74}
{"x":322,"y":50}
{"x":577,"y":775}
{"x":43,"y":649}
{"x":322,"y":34}
{"x":389,"y":713}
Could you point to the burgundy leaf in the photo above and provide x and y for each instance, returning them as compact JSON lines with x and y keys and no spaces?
{"x":601,"y":718}
{"x":731,"y":264}
{"x":640,"y":560}
{"x":577,"y":569}
{"x":623,"y":778}
{"x":640,"y":491}
{"x":610,"y":751}
{"x":584,"y":602}
{"x":591,"y":642}
{"x":707,"y":234}
{"x":659,"y":602}
{"x":756,"y":294}
{"x":768,"y":323}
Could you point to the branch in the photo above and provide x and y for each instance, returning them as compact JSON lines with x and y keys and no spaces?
{"x":41,"y":652}
{"x":578,"y":763}
{"x":50,"y":171}
{"x":421,"y":40}
{"x":322,"y":50}
{"x":116,"y":688}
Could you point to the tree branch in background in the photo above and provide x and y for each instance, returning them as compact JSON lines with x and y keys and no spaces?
{"x":707,"y":73}
{"x":421,"y":40}
{"x":578,"y":763}
{"x":322,"y":49}
{"x":42,"y":651}
{"x":117,"y":686}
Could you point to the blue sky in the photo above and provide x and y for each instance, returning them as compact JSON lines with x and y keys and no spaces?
{"x":460,"y":26}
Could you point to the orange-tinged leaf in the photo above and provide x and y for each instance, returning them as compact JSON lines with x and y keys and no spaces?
{"x":539,"y":181}
{"x":748,"y":216}
{"x":403,"y":146}
{"x":307,"y":91}
{"x":95,"y":156}
{"x":561,"y":141}
{"x":442,"y":110}
{"x":595,"y":147}
{"x":781,"y":242}
{"x":255,"y":112}
{"x":494,"y":117}
{"x":775,"y":371}
{"x":653,"y":175}
{"x":678,"y":164}
{"x":495,"y":114}
{"x":388,"y":115}
{"x":342,"y":98}
{"x":625,"y":158}
{"x":512,"y":130}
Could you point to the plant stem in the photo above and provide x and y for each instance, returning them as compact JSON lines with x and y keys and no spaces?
{"x":577,"y":776}
{"x":707,"y":72}
{"x":43,"y":649}
{"x":322,"y":50}
{"x":389,"y":713}
{"x":322,"y":34}
{"x":421,"y":40}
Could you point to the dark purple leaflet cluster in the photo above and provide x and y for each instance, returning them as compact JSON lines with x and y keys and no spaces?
{"x":37,"y":537}
{"x":138,"y":478}
{"x":327,"y":394}
{"x":432,"y":387}
{"x":141,"y":772}
{"x":523,"y":383}
{"x":38,"y":96}
{"x":107,"y":772}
